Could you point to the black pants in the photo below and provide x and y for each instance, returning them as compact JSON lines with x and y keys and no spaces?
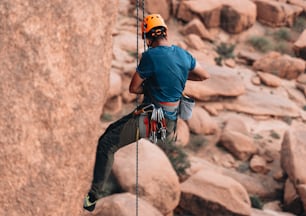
{"x":117,"y":135}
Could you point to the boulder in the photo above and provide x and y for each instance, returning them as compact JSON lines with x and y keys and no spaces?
{"x":258,"y":164}
{"x":300,"y":46}
{"x":197,"y":27}
{"x":211,"y":193}
{"x":201,"y":122}
{"x":293,"y":153}
{"x":280,"y":65}
{"x":262,"y":186}
{"x":158,"y":183}
{"x":300,"y":3}
{"x":124,"y":204}
{"x":276,"y":14}
{"x":237,"y":16}
{"x":183,"y":133}
{"x":195,"y":42}
{"x":162,"y":7}
{"x":301,"y":83}
{"x":208,"y":11}
{"x":269,"y":79}
{"x":237,"y":140}
{"x":55,"y":58}
{"x":262,"y":103}
{"x":233,"y":16}
{"x":223,"y":81}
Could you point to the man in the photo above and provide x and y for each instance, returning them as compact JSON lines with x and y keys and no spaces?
{"x":161,"y":76}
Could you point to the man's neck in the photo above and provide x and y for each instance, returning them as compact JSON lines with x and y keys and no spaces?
{"x":160,"y":42}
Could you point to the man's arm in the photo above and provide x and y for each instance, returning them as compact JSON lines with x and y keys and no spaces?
{"x":136,"y":84}
{"x":198,"y":73}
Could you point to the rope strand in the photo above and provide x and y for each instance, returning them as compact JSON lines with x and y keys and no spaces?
{"x":137,"y":135}
{"x":137,"y":98}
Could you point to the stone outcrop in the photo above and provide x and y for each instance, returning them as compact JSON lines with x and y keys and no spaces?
{"x":197,"y":27}
{"x":237,"y":140}
{"x":237,"y":16}
{"x":262,"y":103}
{"x":201,"y":122}
{"x":269,"y":79}
{"x":223,"y":82}
{"x":210,"y":193}
{"x":275,"y":13}
{"x":55,"y":59}
{"x":233,"y":16}
{"x":161,"y":190}
{"x":283,"y":66}
{"x":161,"y":7}
{"x":183,"y":132}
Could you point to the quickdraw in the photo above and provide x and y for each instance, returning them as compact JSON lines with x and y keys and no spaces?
{"x":154,"y":123}
{"x":158,"y":125}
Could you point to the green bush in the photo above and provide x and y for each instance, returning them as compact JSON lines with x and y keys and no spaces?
{"x":225,"y":51}
{"x":262,"y":44}
{"x":282,"y":34}
{"x":177,"y":156}
{"x":274,"y":135}
{"x":256,"y":202}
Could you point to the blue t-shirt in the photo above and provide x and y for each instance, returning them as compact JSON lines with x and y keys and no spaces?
{"x":165,"y":70}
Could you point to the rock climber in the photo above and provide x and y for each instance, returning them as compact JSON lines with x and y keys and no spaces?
{"x":160,"y":76}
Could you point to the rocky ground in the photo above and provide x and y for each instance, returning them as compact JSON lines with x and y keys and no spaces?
{"x":246,"y":140}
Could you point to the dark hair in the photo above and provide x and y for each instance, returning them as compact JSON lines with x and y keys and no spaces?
{"x":157,"y":32}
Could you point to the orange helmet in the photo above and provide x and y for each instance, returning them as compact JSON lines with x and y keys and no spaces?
{"x":152,"y":21}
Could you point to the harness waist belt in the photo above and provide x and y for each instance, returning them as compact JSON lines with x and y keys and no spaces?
{"x":169,"y":106}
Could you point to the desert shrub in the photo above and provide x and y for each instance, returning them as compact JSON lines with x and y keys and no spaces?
{"x":261,"y":44}
{"x":257,"y":136}
{"x":300,"y":24}
{"x":282,"y":34}
{"x":256,"y":202}
{"x":196,"y":142}
{"x":225,"y":51}
{"x":177,"y":156}
{"x":304,"y":107}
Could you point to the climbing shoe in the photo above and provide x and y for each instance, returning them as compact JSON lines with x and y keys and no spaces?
{"x":89,"y":202}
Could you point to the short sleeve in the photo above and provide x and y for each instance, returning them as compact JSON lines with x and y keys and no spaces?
{"x":192,"y":61}
{"x":145,"y":67}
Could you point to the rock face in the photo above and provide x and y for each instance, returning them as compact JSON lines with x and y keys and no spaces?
{"x":54,"y":62}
